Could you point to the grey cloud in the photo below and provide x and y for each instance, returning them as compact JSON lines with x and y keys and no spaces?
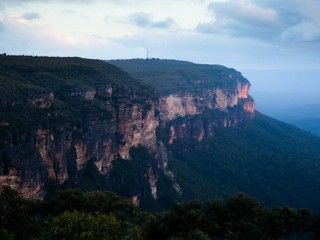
{"x":212,"y":27}
{"x":238,"y":29}
{"x":225,"y":50}
{"x":141,"y":19}
{"x":244,"y":12}
{"x":303,"y":32}
{"x":165,"y":24}
{"x":31,"y":15}
{"x":267,"y":20}
{"x":145,"y":20}
{"x":289,"y":12}
{"x":241,"y":19}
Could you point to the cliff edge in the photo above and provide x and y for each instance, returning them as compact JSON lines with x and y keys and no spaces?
{"x":59,"y":115}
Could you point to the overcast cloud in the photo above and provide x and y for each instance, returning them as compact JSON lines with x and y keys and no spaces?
{"x":244,"y":34}
{"x":145,"y":20}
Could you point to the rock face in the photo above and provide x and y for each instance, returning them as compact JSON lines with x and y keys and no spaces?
{"x":55,"y":149}
{"x":190,"y":104}
{"x":226,"y":101}
{"x":59,"y":153}
{"x":130,"y":125}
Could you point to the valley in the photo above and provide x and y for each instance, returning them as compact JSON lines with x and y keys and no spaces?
{"x":175,"y":132}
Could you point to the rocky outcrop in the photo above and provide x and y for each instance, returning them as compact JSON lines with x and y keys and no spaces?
{"x":43,"y":100}
{"x":233,"y":105}
{"x":192,"y":103}
{"x":161,"y":156}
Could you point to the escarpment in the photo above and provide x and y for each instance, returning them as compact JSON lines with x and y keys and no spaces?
{"x":59,"y":114}
{"x":233,"y":108}
{"x":189,"y":91}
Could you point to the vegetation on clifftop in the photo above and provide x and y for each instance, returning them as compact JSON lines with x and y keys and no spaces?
{"x":24,"y":79}
{"x":170,"y":76}
{"x":60,"y":75}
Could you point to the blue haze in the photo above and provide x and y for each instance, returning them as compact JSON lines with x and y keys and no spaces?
{"x":286,"y":94}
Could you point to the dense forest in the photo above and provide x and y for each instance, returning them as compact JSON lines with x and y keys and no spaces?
{"x":73,"y":214}
{"x":275,"y":162}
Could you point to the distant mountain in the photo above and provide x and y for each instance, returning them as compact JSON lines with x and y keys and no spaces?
{"x":288,"y":95}
{"x":306,"y":117}
{"x":311,"y":125}
{"x":300,"y":112}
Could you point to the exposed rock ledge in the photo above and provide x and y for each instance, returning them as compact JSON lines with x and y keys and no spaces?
{"x":189,"y":104}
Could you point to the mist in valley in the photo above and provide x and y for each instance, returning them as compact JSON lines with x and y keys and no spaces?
{"x":288,"y":95}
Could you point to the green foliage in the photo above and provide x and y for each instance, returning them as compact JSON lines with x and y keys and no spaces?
{"x":169,"y":76}
{"x":91,"y":203}
{"x":283,"y":221}
{"x":61,"y":74}
{"x":90,"y":179}
{"x":75,"y":225}
{"x":17,"y":216}
{"x":272,"y":161}
{"x":70,"y":214}
{"x":241,"y":217}
{"x":5,"y":235}
{"x":73,"y":214}
{"x":127,"y":176}
{"x":316,"y":227}
{"x":23,"y":79}
{"x":91,"y":215}
{"x":247,"y":217}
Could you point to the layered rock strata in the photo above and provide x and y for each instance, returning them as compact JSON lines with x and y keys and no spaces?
{"x":57,"y":151}
{"x":55,"y":154}
{"x":234,"y":106}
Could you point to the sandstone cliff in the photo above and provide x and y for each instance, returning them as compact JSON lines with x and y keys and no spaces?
{"x":189,"y":90}
{"x":234,"y":107}
{"x":56,"y":152}
{"x":53,"y":124}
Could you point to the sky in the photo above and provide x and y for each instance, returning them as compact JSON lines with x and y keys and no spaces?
{"x":253,"y":36}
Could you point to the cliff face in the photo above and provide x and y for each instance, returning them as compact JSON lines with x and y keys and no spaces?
{"x":234,"y":105}
{"x":53,"y":131}
{"x":192,"y":103}
{"x":132,"y":122}
{"x":59,"y":152}
{"x":56,"y":114}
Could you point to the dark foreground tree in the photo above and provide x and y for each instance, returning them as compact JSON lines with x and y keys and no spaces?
{"x":73,"y":214}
